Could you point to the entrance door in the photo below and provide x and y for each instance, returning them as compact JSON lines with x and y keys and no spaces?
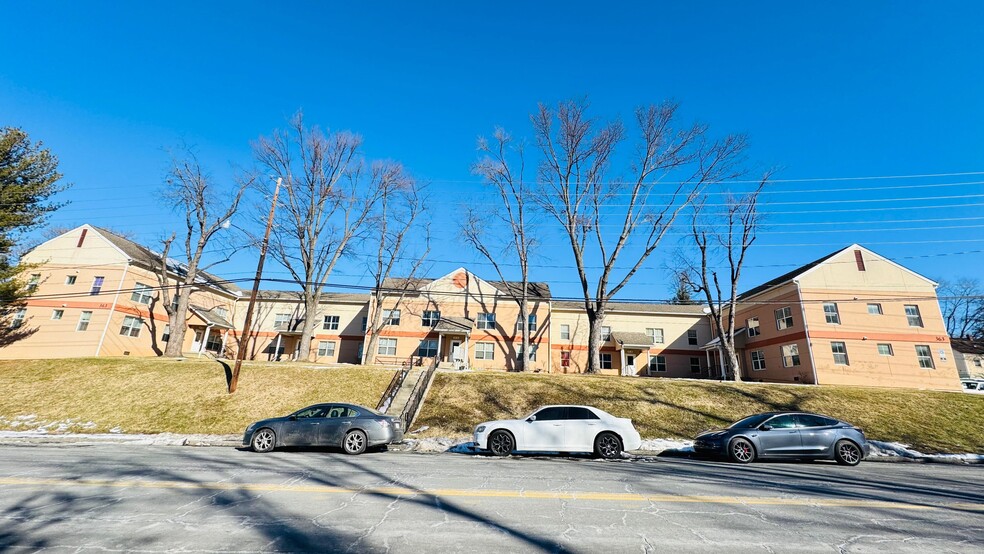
{"x":456,"y":353}
{"x":629,"y":366}
{"x":197,"y":345}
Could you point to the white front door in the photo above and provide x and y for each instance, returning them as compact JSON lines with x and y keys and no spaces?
{"x":197,"y":345}
{"x":456,"y":354}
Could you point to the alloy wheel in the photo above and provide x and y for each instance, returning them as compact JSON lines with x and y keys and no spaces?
{"x":608,"y":446}
{"x":742,"y":451}
{"x":355,"y":442}
{"x":264,"y":440}
{"x":501,"y":443}
{"x":848,"y":453}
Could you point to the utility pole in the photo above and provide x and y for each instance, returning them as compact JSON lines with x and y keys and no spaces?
{"x":244,"y":338}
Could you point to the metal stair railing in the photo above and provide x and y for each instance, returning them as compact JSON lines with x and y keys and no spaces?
{"x":417,"y":396}
{"x":392,"y":389}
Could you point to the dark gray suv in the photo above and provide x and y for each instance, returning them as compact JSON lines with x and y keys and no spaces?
{"x":786,"y":435}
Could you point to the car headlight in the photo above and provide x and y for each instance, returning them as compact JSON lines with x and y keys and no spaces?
{"x":480,"y":428}
{"x":250,"y":428}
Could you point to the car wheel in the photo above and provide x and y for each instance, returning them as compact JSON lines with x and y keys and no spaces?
{"x":355,"y":442}
{"x":501,"y":443}
{"x":264,"y":440}
{"x":847,"y":453}
{"x":608,"y":446}
{"x":741,"y":451}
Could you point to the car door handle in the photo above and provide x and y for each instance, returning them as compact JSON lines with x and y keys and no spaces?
{"x":556,"y":425}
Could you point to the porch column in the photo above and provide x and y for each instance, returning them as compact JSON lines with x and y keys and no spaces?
{"x":709,"y":365}
{"x":622,"y":352}
{"x":224,"y":337}
{"x":467,"y":357}
{"x":276,"y":348}
{"x":724,"y":372}
{"x":201,"y":347}
{"x":649,"y":364}
{"x":439,"y":335}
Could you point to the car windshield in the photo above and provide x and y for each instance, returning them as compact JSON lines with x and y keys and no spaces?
{"x":750,"y":421}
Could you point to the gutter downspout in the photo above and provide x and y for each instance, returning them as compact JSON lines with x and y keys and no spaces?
{"x":112,"y":308}
{"x":806,"y":331}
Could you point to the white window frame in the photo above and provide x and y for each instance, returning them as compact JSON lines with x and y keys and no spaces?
{"x":792,"y":359}
{"x":926,"y":358}
{"x":131,"y":326}
{"x":656,"y":334}
{"x":532,"y":323}
{"x":84,"y":319}
{"x":141,"y":294}
{"x":281,"y":322}
{"x":391,"y":317}
{"x":917,"y":315}
{"x":166,"y":335}
{"x":659,"y":364}
{"x":486,"y":320}
{"x":484,"y":351}
{"x":565,"y":358}
{"x":326,"y":349}
{"x":890,"y":352}
{"x":18,"y":318}
{"x":33,"y":282}
{"x":839,"y":350}
{"x":428,"y":346}
{"x":71,"y":279}
{"x":606,"y":360}
{"x":533,"y":348}
{"x":758,"y":360}
{"x":57,"y":314}
{"x":386,"y":347}
{"x":97,"y":284}
{"x":877,"y":307}
{"x":331,"y":323}
{"x":831,"y":314}
{"x":784,"y":318}
{"x":752,"y":330}
{"x":565,"y":331}
{"x":692,"y":337}
{"x":606,"y":333}
{"x":695,"y":364}
{"x":430,"y":318}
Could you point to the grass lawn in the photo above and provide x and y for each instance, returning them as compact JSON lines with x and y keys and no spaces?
{"x":155,"y":395}
{"x":672,"y":408}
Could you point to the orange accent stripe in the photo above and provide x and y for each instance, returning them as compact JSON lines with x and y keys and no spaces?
{"x":884,"y":337}
{"x":784,"y":339}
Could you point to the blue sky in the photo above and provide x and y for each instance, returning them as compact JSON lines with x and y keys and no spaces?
{"x":832,"y":90}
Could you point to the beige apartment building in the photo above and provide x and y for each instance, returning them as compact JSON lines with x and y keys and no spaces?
{"x":850,"y":318}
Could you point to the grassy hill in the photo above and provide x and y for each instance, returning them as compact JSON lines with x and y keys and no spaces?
{"x":141,"y":395}
{"x":669,"y":408}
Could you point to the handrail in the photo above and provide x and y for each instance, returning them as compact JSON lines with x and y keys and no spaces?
{"x":392,"y":390}
{"x":417,"y":395}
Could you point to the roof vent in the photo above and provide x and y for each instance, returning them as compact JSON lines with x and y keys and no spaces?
{"x":859,"y":259}
{"x":81,"y":238}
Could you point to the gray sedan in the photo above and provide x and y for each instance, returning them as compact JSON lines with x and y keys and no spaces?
{"x":351,"y":427}
{"x":786,"y":435}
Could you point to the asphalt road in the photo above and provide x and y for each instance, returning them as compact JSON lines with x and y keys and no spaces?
{"x":127,"y":498}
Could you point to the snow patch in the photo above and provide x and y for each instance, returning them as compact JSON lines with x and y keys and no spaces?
{"x":882,"y":449}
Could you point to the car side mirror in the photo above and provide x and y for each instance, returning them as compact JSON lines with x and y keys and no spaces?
{"x":292,"y":417}
{"x":766,"y":427}
{"x":531,"y":419}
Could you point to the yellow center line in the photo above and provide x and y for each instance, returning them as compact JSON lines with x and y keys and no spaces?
{"x":487,"y":493}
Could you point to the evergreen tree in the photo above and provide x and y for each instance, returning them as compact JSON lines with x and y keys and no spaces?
{"x":28,"y":178}
{"x":682,"y":294}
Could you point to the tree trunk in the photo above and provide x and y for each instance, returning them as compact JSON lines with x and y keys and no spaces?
{"x":595,"y":318}
{"x":307,"y":327}
{"x":733,"y":361}
{"x":524,"y":314}
{"x":178,"y":326}
{"x":374,"y":327}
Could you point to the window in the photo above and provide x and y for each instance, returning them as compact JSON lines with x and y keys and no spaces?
{"x":519,"y":352}
{"x":694,"y":365}
{"x":752,"y":327}
{"x":519,"y":323}
{"x":326,"y":348}
{"x":430,"y":318}
{"x":885,"y":350}
{"x":141,"y":294}
{"x":784,"y":318}
{"x":84,"y":319}
{"x":783,"y":422}
{"x":606,"y":333}
{"x":659,"y":364}
{"x":839,"y":349}
{"x":214,"y":342}
{"x":70,"y":280}
{"x":97,"y":285}
{"x":57,"y":314}
{"x":565,"y":358}
{"x":427,"y":348}
{"x":806,"y":420}
{"x":391,"y":317}
{"x":330,"y":323}
{"x":131,"y":326}
{"x":574,"y":412}
{"x":555,"y":413}
{"x":486,"y":321}
{"x":387,"y":347}
{"x":875,"y":309}
{"x":166,"y":336}
{"x":221,"y":311}
{"x":790,"y":355}
{"x":758,"y":360}
{"x":32,"y":283}
{"x":692,"y":337}
{"x":281,"y":322}
{"x":365,"y":321}
{"x":565,"y":331}
{"x":312,"y":412}
{"x":912,"y":314}
{"x":484,"y":351}
{"x":925,"y":356}
{"x":830,"y":312}
{"x":656,"y":335}
{"x":606,"y":360}
{"x":18,"y":318}
{"x":341,"y":411}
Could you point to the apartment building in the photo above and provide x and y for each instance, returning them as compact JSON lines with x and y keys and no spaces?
{"x":95,"y":294}
{"x":852,"y":317}
{"x":968,"y":355}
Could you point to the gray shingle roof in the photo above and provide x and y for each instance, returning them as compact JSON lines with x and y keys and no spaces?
{"x":632,"y":339}
{"x":295,"y":296}
{"x":211,"y":318}
{"x":640,"y":307}
{"x":454,"y":324}
{"x":967,"y":346}
{"x":512,"y":288}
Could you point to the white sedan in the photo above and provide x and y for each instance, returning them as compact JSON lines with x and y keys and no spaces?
{"x":560,"y":429}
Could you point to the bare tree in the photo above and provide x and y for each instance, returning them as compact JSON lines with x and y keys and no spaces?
{"x":621,"y":216}
{"x":207,"y":209}
{"x":723,"y":236}
{"x":962,"y":304}
{"x":395,"y":224}
{"x":330,"y":195}
{"x":516,"y":199}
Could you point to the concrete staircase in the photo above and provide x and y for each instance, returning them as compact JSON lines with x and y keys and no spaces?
{"x":399,"y":402}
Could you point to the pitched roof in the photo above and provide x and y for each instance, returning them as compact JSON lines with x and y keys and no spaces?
{"x":787,"y":277}
{"x":511,"y":288}
{"x":454,"y":324}
{"x":967,"y":346}
{"x":211,"y":317}
{"x":145,"y":256}
{"x":295,"y":295}
{"x":632,"y":339}
{"x":640,"y":307}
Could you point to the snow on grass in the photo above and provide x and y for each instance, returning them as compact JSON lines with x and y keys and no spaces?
{"x":30,"y":422}
{"x":881,"y":449}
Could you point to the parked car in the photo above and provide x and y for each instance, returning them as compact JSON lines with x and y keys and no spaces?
{"x":351,"y":427}
{"x":973,"y":386}
{"x":560,"y":429}
{"x":786,"y":435}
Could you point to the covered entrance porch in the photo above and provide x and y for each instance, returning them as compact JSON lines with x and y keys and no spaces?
{"x":452,"y":341}
{"x":633,"y":349}
{"x":210,"y":331}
